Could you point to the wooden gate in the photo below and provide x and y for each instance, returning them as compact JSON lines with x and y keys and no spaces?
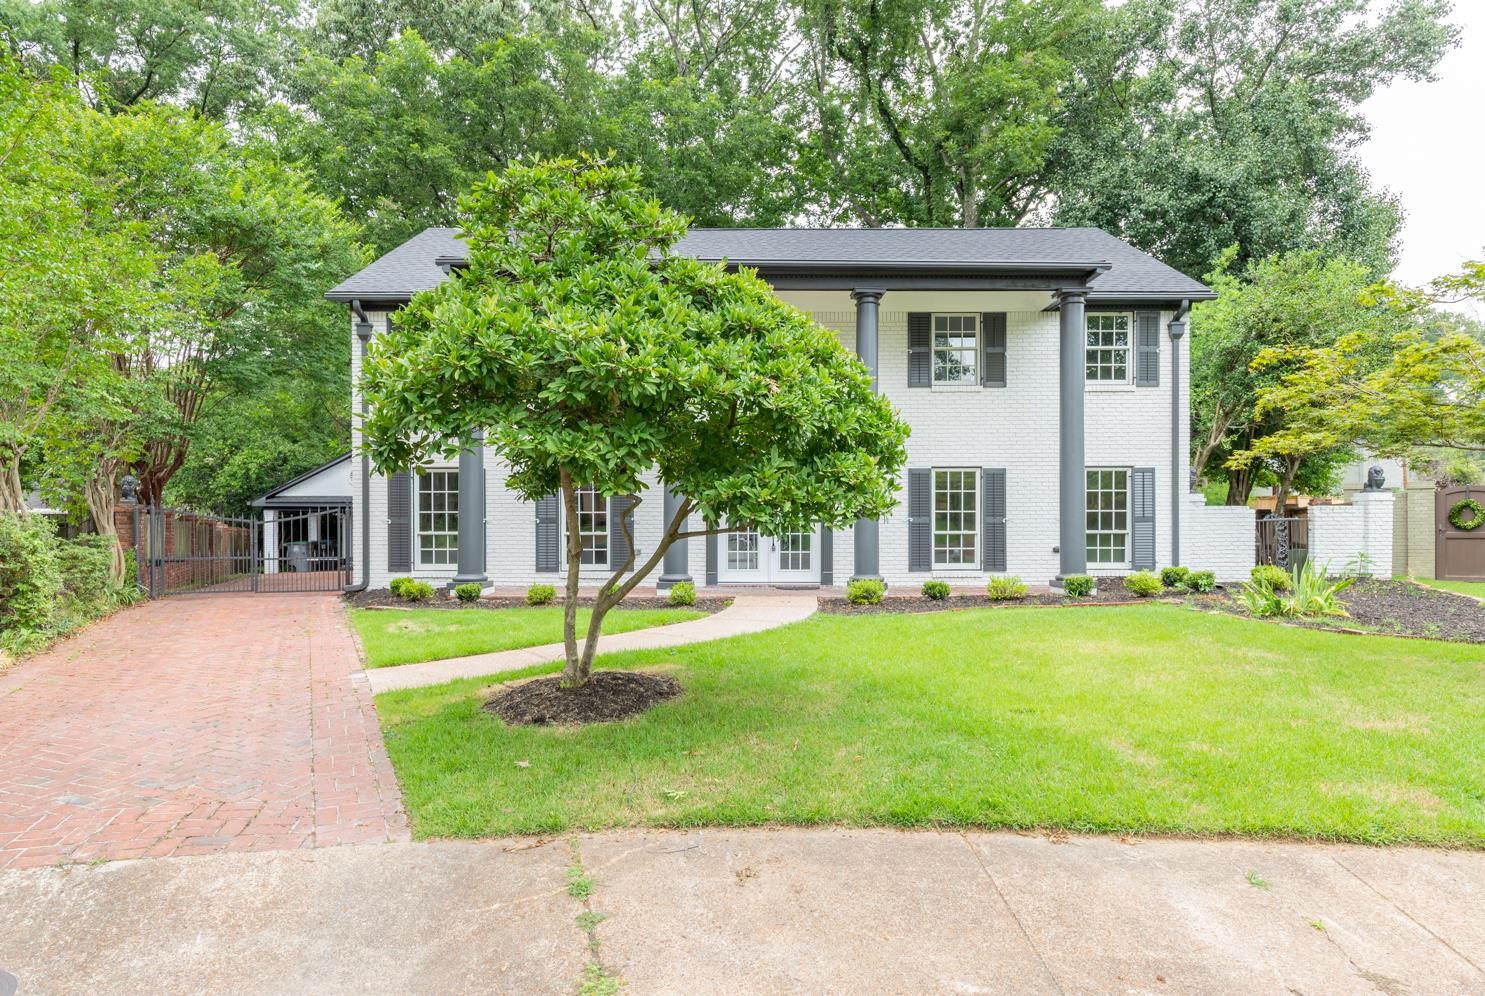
{"x":1459,"y":550}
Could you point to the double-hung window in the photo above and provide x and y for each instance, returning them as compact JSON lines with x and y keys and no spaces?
{"x":1108,"y":517}
{"x":956,"y":518}
{"x":956,"y":349}
{"x":438,"y":518}
{"x":1107,"y":355}
{"x":592,"y":517}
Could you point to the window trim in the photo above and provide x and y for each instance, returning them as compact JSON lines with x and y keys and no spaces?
{"x":975,"y":351}
{"x":1128,"y":349}
{"x":1127,"y":532}
{"x":562,"y":532}
{"x":976,"y":517}
{"x":419,"y":562}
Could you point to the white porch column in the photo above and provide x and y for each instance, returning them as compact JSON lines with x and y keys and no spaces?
{"x":270,"y":541}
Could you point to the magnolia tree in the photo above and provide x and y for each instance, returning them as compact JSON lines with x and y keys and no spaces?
{"x":591,"y":355}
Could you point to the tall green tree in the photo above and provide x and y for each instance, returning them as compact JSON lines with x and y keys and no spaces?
{"x":591,"y":356}
{"x":1211,"y":123}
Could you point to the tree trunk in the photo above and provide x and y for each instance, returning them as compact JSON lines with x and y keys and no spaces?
{"x":1286,"y":484}
{"x":576,"y":670}
{"x":99,"y":491}
{"x":1239,"y":485}
{"x":12,"y":498}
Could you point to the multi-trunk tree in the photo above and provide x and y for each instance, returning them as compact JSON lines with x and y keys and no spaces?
{"x":594,"y":358}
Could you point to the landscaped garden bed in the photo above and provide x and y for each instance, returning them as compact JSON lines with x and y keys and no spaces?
{"x":1403,"y":608}
{"x":1110,"y":591}
{"x":382,"y":598}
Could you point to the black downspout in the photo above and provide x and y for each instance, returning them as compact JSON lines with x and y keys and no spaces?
{"x":1177,"y":329}
{"x":363,"y":333}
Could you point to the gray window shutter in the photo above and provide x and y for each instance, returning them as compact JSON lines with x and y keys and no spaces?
{"x":920,"y":349}
{"x":619,"y":510}
{"x":1142,"y":507}
{"x":1147,"y":349}
{"x":992,"y":519}
{"x":711,"y":556}
{"x":992,"y":349}
{"x":399,"y":522}
{"x":920,"y":520}
{"x":827,"y":557}
{"x":548,"y":517}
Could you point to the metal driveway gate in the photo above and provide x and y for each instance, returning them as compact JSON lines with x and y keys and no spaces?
{"x":180,"y":552}
{"x":1283,"y":541}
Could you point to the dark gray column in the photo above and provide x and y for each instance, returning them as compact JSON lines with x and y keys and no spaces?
{"x":1177,"y":437}
{"x":472,"y":512}
{"x":677,"y":564}
{"x":1072,"y":495}
{"x":867,"y":563}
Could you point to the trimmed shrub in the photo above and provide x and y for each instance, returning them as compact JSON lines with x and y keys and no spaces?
{"x":85,"y":563}
{"x":468,"y":592}
{"x":682,"y":593}
{"x":1201,"y":581}
{"x":1077,"y":585}
{"x":1144,"y":584}
{"x":1174,"y":577}
{"x":1314,"y":595}
{"x":417,"y":591}
{"x":31,"y":576}
{"x":1007,"y":589}
{"x":865,"y":591}
{"x":936,"y":590}
{"x":540,"y":594}
{"x":1272,"y":577}
{"x":397,"y":584}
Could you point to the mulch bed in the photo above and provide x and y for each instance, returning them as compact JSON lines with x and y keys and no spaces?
{"x":1110,"y":591}
{"x":608,"y":696}
{"x":1394,"y":608}
{"x":382,"y":598}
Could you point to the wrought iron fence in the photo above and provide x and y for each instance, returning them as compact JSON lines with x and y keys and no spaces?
{"x":178,"y":552}
{"x":1283,"y":541}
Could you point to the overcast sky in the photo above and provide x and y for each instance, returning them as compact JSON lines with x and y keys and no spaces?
{"x":1428,"y":148}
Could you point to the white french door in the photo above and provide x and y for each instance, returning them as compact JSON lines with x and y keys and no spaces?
{"x":747,"y":556}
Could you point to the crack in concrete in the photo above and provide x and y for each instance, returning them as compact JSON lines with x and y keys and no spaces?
{"x":1410,"y":917}
{"x":1025,"y":934}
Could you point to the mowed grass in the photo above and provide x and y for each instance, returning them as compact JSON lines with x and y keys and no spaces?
{"x":1475,"y":588}
{"x":408,"y":636}
{"x":1153,"y":718}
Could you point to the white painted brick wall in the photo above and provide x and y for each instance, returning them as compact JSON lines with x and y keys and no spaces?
{"x":1013,"y":427}
{"x":1217,"y":538}
{"x":1339,"y":533}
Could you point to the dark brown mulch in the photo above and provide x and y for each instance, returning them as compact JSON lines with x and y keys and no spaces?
{"x":608,"y":695}
{"x":1398,"y":608}
{"x":1109,"y":590}
{"x":381,"y":597}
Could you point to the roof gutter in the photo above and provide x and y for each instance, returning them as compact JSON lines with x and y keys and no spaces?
{"x":363,"y":333}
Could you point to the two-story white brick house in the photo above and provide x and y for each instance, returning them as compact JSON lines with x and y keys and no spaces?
{"x":1043,"y":373}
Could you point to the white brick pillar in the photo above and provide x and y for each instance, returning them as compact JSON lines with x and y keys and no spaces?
{"x":1376,"y":529}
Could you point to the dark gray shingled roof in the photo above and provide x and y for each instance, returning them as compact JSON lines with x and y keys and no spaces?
{"x":414,"y":265}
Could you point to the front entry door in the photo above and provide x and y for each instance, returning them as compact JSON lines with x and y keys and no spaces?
{"x":747,"y":556}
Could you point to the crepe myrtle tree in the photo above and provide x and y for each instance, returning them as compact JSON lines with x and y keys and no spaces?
{"x":591,"y":354}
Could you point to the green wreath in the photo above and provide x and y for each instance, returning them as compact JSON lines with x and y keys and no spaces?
{"x":1476,"y":519}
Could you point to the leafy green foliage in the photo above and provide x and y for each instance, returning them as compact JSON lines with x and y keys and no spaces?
{"x":1272,"y":576}
{"x":1174,"y":577}
{"x":417,"y":591}
{"x":1144,"y":584}
{"x":936,"y":590}
{"x":540,"y":594}
{"x":468,"y":592}
{"x":396,"y":585}
{"x":30,"y":574}
{"x":1078,"y":585}
{"x":1201,"y":582}
{"x":1006,"y":589}
{"x":682,"y":593}
{"x":1313,"y":595}
{"x":865,"y":591}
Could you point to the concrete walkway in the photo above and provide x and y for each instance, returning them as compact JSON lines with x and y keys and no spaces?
{"x":761,"y":911}
{"x":746,"y":614}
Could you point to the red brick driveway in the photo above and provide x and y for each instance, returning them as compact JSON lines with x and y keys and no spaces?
{"x":194,"y":725}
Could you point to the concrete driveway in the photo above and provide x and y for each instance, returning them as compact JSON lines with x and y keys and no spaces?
{"x":765,"y":911}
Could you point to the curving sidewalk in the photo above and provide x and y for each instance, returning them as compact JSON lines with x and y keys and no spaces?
{"x":746,"y":614}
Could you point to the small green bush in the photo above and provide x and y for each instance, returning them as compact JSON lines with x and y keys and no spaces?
{"x":417,"y":591}
{"x":1314,"y":595}
{"x":1174,"y":577}
{"x":1007,"y":589}
{"x":1201,"y":581}
{"x":86,"y":563}
{"x":936,"y":590}
{"x":682,"y":593}
{"x":397,"y":584}
{"x":1274,"y":577}
{"x":31,"y":575}
{"x":468,"y":592}
{"x":540,"y":594}
{"x":865,"y":591}
{"x":1077,"y":585}
{"x":1144,"y":584}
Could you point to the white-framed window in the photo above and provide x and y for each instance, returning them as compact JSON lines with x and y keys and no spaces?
{"x":956,"y":517}
{"x":742,"y":551}
{"x":956,"y":349}
{"x":1108,"y":517}
{"x":1107,"y":355}
{"x":795,"y":549}
{"x":592,"y":517}
{"x":438,"y":518}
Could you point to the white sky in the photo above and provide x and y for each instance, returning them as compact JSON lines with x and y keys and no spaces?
{"x":1428,"y":148}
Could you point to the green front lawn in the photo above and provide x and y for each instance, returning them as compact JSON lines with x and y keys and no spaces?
{"x":1475,"y":588}
{"x":407,"y":636}
{"x":1150,"y":718}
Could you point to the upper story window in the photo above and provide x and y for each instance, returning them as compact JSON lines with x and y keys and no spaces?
{"x":438,"y":518}
{"x":956,"y":349}
{"x":1107,"y":356}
